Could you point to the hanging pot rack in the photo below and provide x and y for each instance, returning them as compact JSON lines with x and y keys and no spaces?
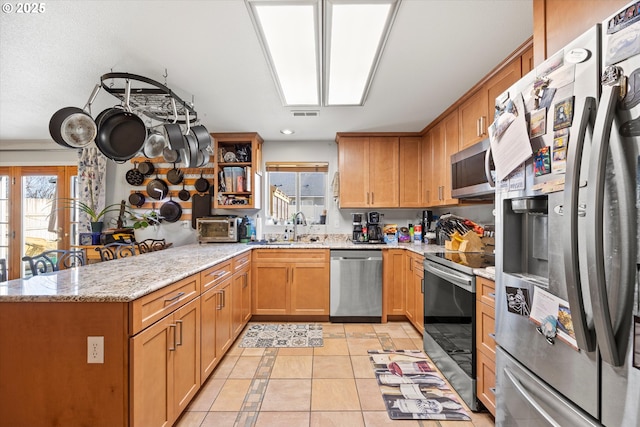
{"x":150,"y":98}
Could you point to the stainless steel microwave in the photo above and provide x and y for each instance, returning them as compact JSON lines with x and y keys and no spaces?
{"x":217,"y":229}
{"x":473,"y":172}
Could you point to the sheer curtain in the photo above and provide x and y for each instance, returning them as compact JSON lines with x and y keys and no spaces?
{"x":92,"y":167}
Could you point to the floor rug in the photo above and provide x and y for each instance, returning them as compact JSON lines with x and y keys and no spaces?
{"x":412,"y":388}
{"x":265,"y":335}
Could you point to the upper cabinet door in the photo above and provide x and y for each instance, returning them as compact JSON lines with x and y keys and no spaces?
{"x":497,"y":84}
{"x":411,"y":173}
{"x":384,"y":167}
{"x":473,"y":118}
{"x":353,"y":164}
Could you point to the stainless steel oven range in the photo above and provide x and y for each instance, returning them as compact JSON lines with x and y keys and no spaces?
{"x":449,"y":317}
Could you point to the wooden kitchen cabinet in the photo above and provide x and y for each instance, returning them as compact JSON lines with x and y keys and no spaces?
{"x":290,"y":282}
{"x":233,"y":193}
{"x":216,"y":333}
{"x":393,"y":279}
{"x":427,"y":168}
{"x":444,"y":142}
{"x":412,"y":175}
{"x":485,"y":343}
{"x":414,"y":296}
{"x":165,"y":367}
{"x":477,"y":112}
{"x":369,"y":171}
{"x":241,"y":284}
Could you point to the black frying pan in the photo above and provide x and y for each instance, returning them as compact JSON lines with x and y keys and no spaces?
{"x":170,"y":211}
{"x":157,"y":188}
{"x":137,"y":199}
{"x":146,"y":168}
{"x":201,"y":184}
{"x":184,"y":194}
{"x":175,"y":175}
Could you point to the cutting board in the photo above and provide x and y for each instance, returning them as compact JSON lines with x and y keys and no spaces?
{"x":200,"y":207}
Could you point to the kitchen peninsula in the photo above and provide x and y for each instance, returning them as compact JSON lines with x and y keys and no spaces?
{"x":150,"y":311}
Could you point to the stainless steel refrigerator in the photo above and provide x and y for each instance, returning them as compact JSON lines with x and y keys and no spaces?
{"x":568,"y":339}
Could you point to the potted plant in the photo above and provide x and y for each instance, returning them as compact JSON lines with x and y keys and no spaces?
{"x":96,"y":217}
{"x":144,"y":220}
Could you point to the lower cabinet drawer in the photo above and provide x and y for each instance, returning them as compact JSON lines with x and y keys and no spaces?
{"x":154,"y":306}
{"x":486,"y":382}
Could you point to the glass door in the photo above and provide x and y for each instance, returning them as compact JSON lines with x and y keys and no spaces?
{"x":31,"y":219}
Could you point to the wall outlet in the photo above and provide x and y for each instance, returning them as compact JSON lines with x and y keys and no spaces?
{"x":95,"y":349}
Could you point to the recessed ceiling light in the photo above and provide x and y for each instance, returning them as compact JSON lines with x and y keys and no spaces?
{"x":287,"y":132}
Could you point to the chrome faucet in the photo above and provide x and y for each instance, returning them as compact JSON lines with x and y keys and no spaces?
{"x":295,"y":224}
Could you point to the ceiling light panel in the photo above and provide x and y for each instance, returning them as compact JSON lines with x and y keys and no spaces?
{"x":355,"y":35}
{"x":289,"y":32}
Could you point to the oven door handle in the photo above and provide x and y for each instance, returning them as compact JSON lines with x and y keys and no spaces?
{"x":461,"y":280}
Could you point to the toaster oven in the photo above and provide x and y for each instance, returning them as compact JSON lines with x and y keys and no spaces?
{"x":217,"y":229}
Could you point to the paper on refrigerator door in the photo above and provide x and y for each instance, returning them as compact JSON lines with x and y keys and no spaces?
{"x":513,"y":147}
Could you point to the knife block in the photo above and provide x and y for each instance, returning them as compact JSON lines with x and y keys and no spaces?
{"x":467,"y":242}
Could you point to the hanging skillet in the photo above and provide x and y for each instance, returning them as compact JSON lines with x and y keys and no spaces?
{"x":201,"y":184}
{"x":157,"y":188}
{"x":122,"y":133}
{"x":170,"y":211}
{"x":134,"y":176}
{"x":184,"y":194}
{"x":137,"y":199}
{"x":146,"y":168}
{"x":175,"y":175}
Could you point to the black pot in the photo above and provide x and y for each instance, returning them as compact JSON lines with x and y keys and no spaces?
{"x":73,"y":128}
{"x":121,"y":134}
{"x":173,"y":133}
{"x":170,"y":211}
{"x":137,"y":199}
{"x":157,"y":188}
{"x":134,"y":176}
{"x":201,"y":184}
{"x":202,"y":136}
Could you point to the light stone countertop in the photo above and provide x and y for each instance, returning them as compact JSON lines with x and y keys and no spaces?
{"x":127,"y":279}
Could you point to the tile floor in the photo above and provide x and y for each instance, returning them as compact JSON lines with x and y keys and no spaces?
{"x":333,"y":385}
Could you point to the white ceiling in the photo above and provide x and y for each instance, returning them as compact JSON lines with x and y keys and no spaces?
{"x":436,"y":51}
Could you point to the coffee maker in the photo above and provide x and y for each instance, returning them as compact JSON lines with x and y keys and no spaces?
{"x":373,"y":227}
{"x":427,"y":219}
{"x":357,"y":235}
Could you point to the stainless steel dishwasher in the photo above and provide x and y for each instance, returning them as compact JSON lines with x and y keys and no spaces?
{"x":356,"y":286}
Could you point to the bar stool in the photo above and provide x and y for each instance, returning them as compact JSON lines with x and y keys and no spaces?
{"x":116,"y":250}
{"x":151,"y":245}
{"x":52,"y":260}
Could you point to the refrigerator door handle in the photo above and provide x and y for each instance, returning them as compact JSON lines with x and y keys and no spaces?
{"x":612,"y":324}
{"x":530,"y":399}
{"x":585,"y":337}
